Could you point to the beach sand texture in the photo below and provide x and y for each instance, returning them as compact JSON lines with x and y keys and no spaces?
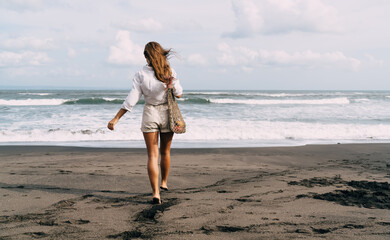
{"x":309,"y":192}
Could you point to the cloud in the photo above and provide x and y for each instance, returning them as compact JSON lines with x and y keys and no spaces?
{"x":71,"y":52}
{"x":65,"y":71}
{"x":21,"y":5}
{"x":12,"y":59}
{"x":141,"y":25}
{"x":245,"y":57}
{"x":249,"y":20}
{"x":196,"y":59}
{"x":125,"y":52}
{"x":28,"y":43}
{"x":282,"y":16}
{"x":236,"y":56}
{"x":373,"y":62}
{"x":53,"y":72}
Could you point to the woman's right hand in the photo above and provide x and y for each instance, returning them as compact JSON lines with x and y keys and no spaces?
{"x":112,"y":123}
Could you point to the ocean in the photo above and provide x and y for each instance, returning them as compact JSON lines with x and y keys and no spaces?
{"x":214,"y":118}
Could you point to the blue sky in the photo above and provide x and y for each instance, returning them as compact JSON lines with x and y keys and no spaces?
{"x":247,"y":44}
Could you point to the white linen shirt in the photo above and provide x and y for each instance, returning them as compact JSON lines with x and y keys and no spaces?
{"x":154,"y":91}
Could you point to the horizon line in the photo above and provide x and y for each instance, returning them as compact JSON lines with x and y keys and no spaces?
{"x":29,"y":88}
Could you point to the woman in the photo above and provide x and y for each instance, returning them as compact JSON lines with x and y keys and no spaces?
{"x":152,"y":82}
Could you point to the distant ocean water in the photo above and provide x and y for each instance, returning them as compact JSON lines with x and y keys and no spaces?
{"x":214,"y":118}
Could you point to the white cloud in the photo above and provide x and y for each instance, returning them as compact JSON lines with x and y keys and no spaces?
{"x":65,"y":71}
{"x":125,"y":52}
{"x":282,"y":16}
{"x":235,"y":56}
{"x":249,"y":20}
{"x":71,"y":52}
{"x":52,"y":72}
{"x":141,"y":25}
{"x":226,"y":57}
{"x":196,"y":59}
{"x":28,"y":43}
{"x":23,"y":72}
{"x":372,"y":61}
{"x":309,"y":59}
{"x":247,"y":69}
{"x":12,"y":59}
{"x":245,"y":57}
{"x":21,"y":5}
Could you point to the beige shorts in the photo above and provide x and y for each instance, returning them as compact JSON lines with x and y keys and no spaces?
{"x":155,"y":118}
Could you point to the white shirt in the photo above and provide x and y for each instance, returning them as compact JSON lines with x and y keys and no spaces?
{"x":154,"y":91}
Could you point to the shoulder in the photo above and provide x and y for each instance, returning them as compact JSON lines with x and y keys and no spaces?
{"x":137,"y":76}
{"x":145,"y":70}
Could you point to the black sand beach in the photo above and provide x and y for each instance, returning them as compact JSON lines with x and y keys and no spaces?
{"x":309,"y":192}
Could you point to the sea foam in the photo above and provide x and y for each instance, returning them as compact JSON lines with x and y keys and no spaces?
{"x":31,"y":102}
{"x":208,"y":130}
{"x":343,"y":100}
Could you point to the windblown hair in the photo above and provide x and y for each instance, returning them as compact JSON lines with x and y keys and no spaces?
{"x":158,"y":59}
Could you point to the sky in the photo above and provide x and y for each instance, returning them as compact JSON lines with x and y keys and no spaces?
{"x":219,"y":44}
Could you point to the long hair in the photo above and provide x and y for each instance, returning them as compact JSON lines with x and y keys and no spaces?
{"x":158,"y":59}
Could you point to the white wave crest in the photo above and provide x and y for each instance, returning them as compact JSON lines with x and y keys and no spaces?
{"x":32,"y":102}
{"x":209,"y":93}
{"x":36,"y":94}
{"x":284,"y":94}
{"x":253,"y":94}
{"x":277,"y":94}
{"x":343,"y":100}
{"x":361,"y":100}
{"x":109,"y":99}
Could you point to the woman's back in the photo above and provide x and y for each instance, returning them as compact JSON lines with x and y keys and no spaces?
{"x":145,"y":83}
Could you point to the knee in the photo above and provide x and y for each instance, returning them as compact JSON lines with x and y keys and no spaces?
{"x":165,"y":153}
{"x":153,"y":158}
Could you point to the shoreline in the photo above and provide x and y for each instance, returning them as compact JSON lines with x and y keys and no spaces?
{"x":305,"y":192}
{"x":222,"y":146}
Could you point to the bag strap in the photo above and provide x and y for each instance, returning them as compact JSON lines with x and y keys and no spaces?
{"x":170,"y":91}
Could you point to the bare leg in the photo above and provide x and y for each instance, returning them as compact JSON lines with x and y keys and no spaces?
{"x":151,"y":140}
{"x":165,"y":151}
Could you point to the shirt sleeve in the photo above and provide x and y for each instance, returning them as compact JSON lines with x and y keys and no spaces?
{"x":177,"y":88}
{"x":134,"y":95}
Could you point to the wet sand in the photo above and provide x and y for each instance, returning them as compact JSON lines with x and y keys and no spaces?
{"x":309,"y":192}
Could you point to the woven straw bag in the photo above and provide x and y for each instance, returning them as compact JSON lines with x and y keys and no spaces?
{"x":176,"y":121}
